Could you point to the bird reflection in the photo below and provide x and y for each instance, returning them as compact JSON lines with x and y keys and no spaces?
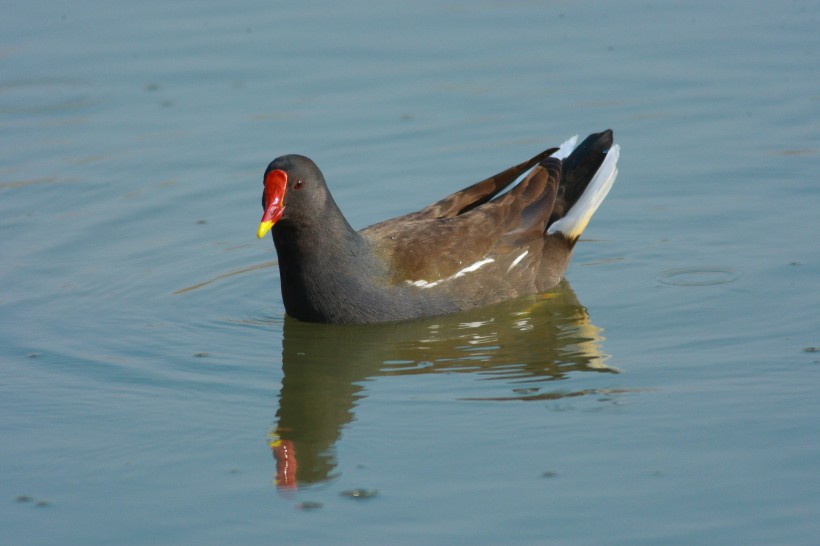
{"x":523,"y":343}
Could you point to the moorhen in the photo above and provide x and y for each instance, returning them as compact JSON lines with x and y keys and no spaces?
{"x":475,"y":247}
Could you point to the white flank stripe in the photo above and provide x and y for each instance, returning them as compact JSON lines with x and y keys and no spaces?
{"x":474,"y":267}
{"x":515,"y":261}
{"x":469,"y":269}
{"x":423,"y":283}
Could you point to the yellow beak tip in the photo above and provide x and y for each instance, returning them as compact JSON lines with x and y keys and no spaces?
{"x":264,"y":228}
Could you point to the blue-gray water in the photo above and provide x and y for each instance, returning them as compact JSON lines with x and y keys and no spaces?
{"x":666,"y":395}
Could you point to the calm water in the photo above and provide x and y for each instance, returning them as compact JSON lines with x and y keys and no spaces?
{"x":152,"y":391}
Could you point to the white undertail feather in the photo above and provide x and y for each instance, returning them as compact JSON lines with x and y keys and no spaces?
{"x":563,"y":151}
{"x":566,"y":148}
{"x":576,"y":220}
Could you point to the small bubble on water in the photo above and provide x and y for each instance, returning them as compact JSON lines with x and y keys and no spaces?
{"x":360,"y":493}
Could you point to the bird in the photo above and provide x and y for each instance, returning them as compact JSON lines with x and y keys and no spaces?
{"x":507,"y":236}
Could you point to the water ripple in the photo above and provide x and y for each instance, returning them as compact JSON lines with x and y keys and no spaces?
{"x":698,"y":277}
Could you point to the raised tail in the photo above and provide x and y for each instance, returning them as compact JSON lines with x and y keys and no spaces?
{"x":587,"y":176}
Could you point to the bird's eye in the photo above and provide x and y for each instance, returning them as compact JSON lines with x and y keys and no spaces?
{"x":298,"y":184}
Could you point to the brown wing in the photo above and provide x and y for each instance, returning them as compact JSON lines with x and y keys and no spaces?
{"x":470,"y":225}
{"x":472,"y":196}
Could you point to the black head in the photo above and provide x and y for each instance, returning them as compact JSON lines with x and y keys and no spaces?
{"x":295,"y":192}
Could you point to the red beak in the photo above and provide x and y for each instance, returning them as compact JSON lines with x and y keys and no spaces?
{"x":276,"y":182}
